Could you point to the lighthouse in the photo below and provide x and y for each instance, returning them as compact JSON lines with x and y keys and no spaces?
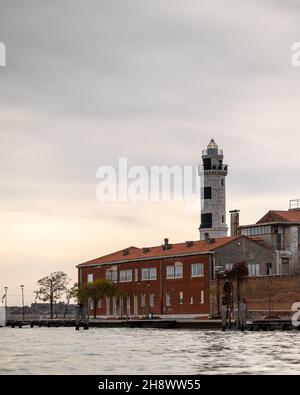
{"x":213,"y":174}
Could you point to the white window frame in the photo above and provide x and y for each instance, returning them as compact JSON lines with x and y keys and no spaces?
{"x":136,"y":304}
{"x":91,"y":303}
{"x":202,"y":296}
{"x":168,"y":299}
{"x":228,"y":266}
{"x":128,"y":306}
{"x":180,"y":301}
{"x":90,"y":278}
{"x":114,"y":303}
{"x":152,"y":300}
{"x":197,"y":270}
{"x":175,"y":271}
{"x":111,"y":275}
{"x":253,"y":269}
{"x":149,"y":274}
{"x":125,"y":276}
{"x":143,"y":300}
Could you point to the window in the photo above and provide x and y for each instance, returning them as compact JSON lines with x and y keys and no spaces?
{"x":228,"y":266}
{"x":90,"y":278}
{"x":222,"y":182}
{"x":207,"y":163}
{"x":278,"y":241}
{"x":168,"y":299}
{"x":107,"y":306}
{"x":206,"y":221}
{"x":99,"y":304}
{"x":111,"y":275}
{"x":257,"y":230}
{"x":143,"y":300}
{"x":152,"y":296}
{"x":128,"y":305}
{"x":207,"y":193}
{"x":285,"y":265}
{"x":125,"y":275}
{"x":197,"y":270}
{"x":121,"y":306}
{"x":269,"y":269}
{"x":201,"y":296}
{"x":191,"y":300}
{"x":114,"y":301}
{"x":180,"y":298}
{"x":136,"y":274}
{"x":253,"y":269}
{"x":223,"y":219}
{"x":178,"y":269}
{"x":175,"y":271}
{"x":149,"y":273}
{"x":91,"y":304}
{"x":170,"y":271}
{"x":135,"y":305}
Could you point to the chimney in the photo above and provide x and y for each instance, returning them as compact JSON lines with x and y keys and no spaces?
{"x":206,"y":235}
{"x":234,"y":222}
{"x":126,"y":252}
{"x":146,"y":249}
{"x":166,"y":244}
{"x":189,"y":244}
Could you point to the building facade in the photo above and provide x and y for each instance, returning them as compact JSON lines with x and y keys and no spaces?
{"x":172,"y":280}
{"x":280,"y":231}
{"x":213,"y":193}
{"x":165,"y":281}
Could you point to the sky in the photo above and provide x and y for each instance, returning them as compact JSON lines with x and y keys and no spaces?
{"x":88,"y":82}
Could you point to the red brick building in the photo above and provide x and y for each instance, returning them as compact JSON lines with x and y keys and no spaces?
{"x":172,"y":280}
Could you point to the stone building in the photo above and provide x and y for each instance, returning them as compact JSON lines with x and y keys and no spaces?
{"x":280,"y":231}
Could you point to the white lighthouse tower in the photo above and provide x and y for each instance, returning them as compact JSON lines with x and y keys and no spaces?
{"x":213,"y":193}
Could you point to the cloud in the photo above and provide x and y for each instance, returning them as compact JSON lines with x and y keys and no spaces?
{"x":87,"y":83}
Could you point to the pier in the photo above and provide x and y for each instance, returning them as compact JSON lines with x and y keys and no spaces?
{"x":255,"y":325}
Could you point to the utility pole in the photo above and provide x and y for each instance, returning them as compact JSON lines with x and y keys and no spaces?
{"x":23,"y":311}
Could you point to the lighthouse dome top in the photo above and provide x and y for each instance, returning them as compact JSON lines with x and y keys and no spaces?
{"x":212,"y":149}
{"x":212,"y":145}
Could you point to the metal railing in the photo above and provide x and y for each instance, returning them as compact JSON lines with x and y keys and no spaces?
{"x":212,"y":151}
{"x":295,"y":204}
{"x":202,"y":168}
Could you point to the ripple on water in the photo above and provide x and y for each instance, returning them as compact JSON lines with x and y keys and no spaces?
{"x":140,"y":351}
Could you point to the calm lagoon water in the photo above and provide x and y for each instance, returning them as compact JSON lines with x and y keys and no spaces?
{"x":147,"y":351}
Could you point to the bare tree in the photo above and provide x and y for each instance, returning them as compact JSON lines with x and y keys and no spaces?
{"x":52,"y":287}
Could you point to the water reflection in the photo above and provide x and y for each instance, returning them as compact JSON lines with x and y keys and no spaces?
{"x":147,"y":351}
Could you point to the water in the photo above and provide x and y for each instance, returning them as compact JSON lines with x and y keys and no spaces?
{"x":147,"y":351}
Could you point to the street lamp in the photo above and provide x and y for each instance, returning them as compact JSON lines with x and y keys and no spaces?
{"x":5,"y":289}
{"x":23,"y":311}
{"x":36,"y":298}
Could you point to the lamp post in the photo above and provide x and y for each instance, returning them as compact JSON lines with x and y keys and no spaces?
{"x":36,"y":298}
{"x":5,"y":300}
{"x":23,"y":311}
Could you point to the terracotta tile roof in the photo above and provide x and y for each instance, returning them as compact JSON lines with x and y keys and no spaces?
{"x":135,"y":253}
{"x":281,"y":216}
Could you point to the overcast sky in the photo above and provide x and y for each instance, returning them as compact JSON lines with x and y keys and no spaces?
{"x":89,"y":81}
